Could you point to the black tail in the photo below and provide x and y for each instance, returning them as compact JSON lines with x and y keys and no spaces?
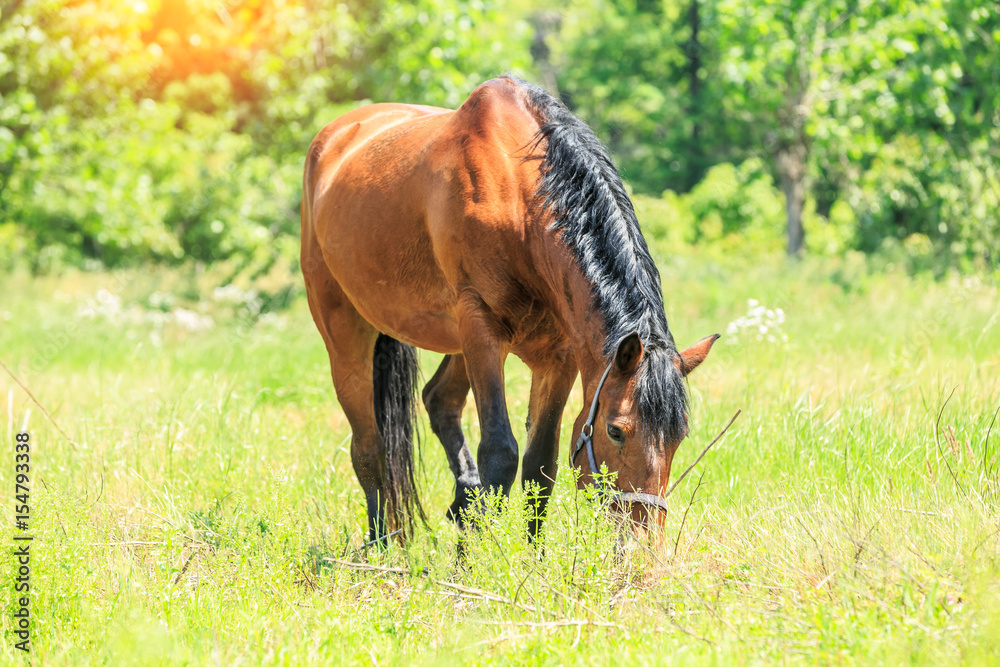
{"x":396,"y":381}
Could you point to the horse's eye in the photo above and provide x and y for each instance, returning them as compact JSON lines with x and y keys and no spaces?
{"x":616,"y":434}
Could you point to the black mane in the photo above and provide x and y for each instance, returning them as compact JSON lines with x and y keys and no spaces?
{"x":583,"y":190}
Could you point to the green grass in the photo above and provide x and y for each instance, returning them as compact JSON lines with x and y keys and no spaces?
{"x":837,"y":522}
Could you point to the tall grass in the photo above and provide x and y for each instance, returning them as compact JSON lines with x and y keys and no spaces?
{"x":208,"y":514}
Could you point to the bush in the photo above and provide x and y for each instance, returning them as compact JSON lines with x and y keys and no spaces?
{"x":666,"y":221}
{"x":970,"y":206}
{"x":150,"y":182}
{"x":738,"y":201}
{"x":926,"y":191}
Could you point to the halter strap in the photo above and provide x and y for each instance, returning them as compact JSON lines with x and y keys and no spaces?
{"x":586,"y":440}
{"x":585,"y":437}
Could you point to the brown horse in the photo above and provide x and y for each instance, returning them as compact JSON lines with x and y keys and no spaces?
{"x":501,"y":227}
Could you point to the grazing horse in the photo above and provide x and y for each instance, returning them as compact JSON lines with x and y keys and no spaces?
{"x":500,"y":227}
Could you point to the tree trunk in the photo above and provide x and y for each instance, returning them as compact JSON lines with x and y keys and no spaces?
{"x":545,"y":22}
{"x":696,"y":152}
{"x":694,"y":64}
{"x":792,"y":168}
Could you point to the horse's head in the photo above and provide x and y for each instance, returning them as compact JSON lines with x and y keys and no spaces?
{"x":640,"y":418}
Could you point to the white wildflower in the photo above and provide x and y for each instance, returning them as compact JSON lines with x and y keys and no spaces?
{"x":192,"y":321}
{"x":760,"y":323}
{"x":104,"y":305}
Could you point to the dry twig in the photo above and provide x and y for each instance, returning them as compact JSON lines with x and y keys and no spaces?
{"x":40,"y":406}
{"x":476,"y":593}
{"x":704,"y":451}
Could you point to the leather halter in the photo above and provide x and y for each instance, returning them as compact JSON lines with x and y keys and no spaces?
{"x":586,"y":440}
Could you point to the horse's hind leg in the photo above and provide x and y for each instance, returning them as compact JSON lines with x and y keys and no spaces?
{"x":444,"y":396}
{"x":350,"y":343}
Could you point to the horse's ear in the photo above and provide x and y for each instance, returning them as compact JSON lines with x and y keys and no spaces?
{"x":628,"y":355}
{"x":691,"y":358}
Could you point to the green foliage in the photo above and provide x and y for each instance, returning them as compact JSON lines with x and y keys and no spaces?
{"x":737,"y":209}
{"x":970,"y":201}
{"x":736,"y":199}
{"x":666,"y":220}
{"x":97,"y":189}
{"x":438,"y":51}
{"x":929,"y":190}
{"x":622,"y":69}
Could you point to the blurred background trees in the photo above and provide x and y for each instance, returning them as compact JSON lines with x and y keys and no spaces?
{"x":174,"y":130}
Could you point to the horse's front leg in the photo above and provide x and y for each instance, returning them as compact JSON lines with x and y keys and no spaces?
{"x":485,"y":348}
{"x":550,"y":387}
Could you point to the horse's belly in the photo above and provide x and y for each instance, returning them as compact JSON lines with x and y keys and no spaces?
{"x":400,"y":295}
{"x":423,"y":325}
{"x":427,"y":330}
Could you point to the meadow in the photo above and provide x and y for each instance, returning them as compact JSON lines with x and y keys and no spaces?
{"x":201,"y":507}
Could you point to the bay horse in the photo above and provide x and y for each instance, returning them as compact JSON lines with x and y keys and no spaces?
{"x":500,"y":227}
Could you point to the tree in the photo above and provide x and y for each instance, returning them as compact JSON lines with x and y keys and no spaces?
{"x":623,"y":68}
{"x":833,"y":72}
